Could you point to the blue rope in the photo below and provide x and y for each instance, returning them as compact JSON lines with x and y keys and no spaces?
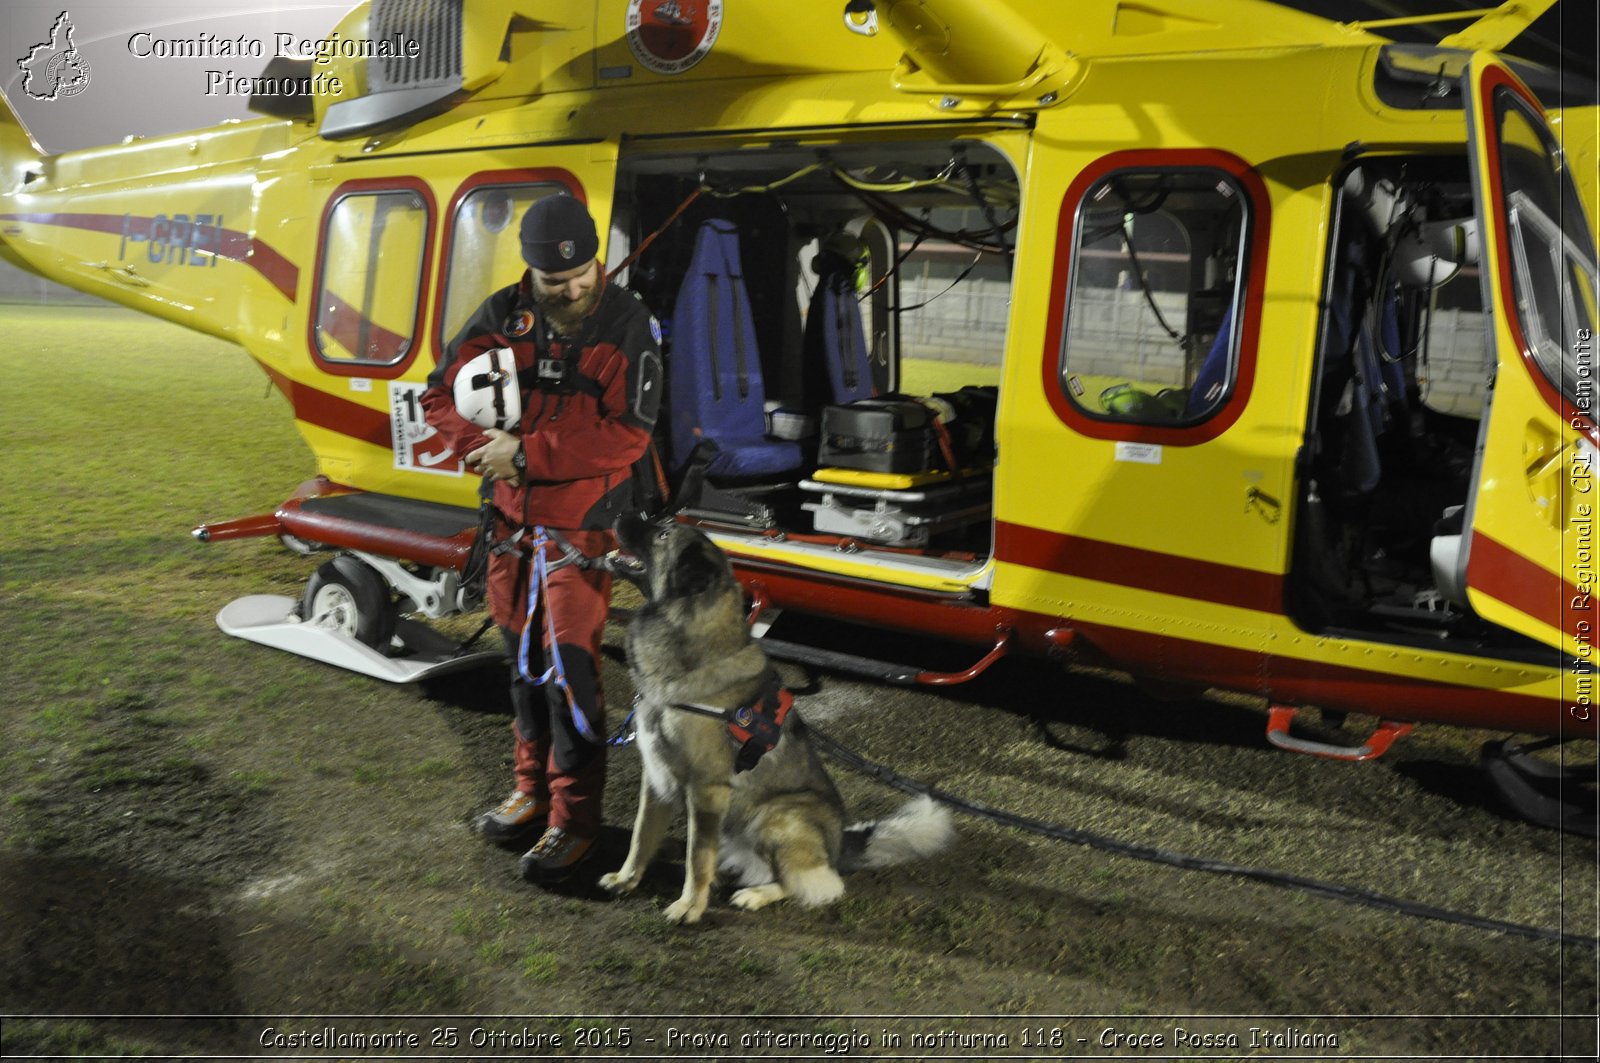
{"x":557,"y":672}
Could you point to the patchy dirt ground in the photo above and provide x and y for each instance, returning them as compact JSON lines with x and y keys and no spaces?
{"x":288,"y":859}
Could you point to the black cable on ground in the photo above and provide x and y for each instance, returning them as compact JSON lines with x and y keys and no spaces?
{"x":1315,"y":887}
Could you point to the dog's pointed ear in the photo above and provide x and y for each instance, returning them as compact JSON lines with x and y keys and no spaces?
{"x":697,"y":568}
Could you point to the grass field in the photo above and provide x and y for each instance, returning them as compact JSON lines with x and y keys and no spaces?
{"x":196,"y":826}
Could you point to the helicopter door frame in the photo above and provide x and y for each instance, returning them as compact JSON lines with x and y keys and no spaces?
{"x":1528,"y":561}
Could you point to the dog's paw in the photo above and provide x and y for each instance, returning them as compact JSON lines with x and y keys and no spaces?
{"x":685,"y":911}
{"x":617,"y":883}
{"x":753,"y":898}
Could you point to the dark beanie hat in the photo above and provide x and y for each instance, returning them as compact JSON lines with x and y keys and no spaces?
{"x":558,"y":234}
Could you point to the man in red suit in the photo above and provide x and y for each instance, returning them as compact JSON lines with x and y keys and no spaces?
{"x":587,"y":355}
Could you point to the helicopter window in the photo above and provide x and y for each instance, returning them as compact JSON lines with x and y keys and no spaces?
{"x":1553,"y":273}
{"x":1158,"y":270}
{"x":371,"y":277}
{"x":485,"y":250}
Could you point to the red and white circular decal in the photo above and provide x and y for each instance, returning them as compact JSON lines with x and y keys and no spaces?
{"x":670,"y":36}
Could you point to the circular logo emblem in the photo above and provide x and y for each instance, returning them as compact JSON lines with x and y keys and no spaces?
{"x":670,"y":36}
{"x":67,"y":74}
{"x":567,"y":248}
{"x":519,"y":323}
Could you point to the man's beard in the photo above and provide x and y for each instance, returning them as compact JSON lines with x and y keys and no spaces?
{"x":566,"y":317}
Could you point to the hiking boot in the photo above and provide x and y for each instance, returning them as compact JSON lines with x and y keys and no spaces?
{"x":554,"y":855}
{"x":516,"y":816}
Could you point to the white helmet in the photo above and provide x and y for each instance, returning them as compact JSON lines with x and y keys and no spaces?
{"x":487,"y":392}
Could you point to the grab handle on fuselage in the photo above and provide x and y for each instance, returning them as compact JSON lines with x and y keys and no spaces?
{"x":1376,"y":745}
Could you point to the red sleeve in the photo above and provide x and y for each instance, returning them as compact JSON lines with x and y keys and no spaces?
{"x":584,"y":443}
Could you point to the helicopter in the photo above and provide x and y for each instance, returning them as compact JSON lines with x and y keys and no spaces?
{"x":1212,"y":341}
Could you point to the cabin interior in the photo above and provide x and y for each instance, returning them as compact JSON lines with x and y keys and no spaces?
{"x":834,"y":323}
{"x":1403,"y":382}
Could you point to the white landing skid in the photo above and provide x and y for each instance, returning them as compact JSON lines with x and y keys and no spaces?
{"x":270,"y":620}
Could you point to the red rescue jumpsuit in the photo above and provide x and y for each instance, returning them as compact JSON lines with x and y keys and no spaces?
{"x":581,"y":436}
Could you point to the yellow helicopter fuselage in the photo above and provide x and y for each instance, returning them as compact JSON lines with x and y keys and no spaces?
{"x":1150,"y":183}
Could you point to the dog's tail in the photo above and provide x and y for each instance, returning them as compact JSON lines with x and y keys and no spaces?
{"x":920,"y":829}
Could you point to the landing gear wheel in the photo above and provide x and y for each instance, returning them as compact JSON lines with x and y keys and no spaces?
{"x":348,"y":596}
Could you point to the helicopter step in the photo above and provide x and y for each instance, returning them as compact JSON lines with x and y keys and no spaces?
{"x":323,"y":515}
{"x":1377,"y":744}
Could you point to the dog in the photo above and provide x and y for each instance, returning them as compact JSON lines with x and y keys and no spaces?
{"x":778,"y":826}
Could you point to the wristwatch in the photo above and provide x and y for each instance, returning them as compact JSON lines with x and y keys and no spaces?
{"x":519,"y":460}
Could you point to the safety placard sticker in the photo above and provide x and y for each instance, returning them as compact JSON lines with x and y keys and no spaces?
{"x":1143,"y":453}
{"x":417,"y":444}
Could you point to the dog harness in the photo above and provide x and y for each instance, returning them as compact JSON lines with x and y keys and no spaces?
{"x":755,"y":729}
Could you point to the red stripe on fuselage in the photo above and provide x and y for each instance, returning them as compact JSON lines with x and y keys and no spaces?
{"x":1297,"y":681}
{"x":324,"y":410}
{"x":1495,"y":569}
{"x":1155,"y":654}
{"x":1129,"y":566}
{"x":232,"y":244}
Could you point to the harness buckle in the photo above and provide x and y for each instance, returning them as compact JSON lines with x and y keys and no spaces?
{"x":505,"y":546}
